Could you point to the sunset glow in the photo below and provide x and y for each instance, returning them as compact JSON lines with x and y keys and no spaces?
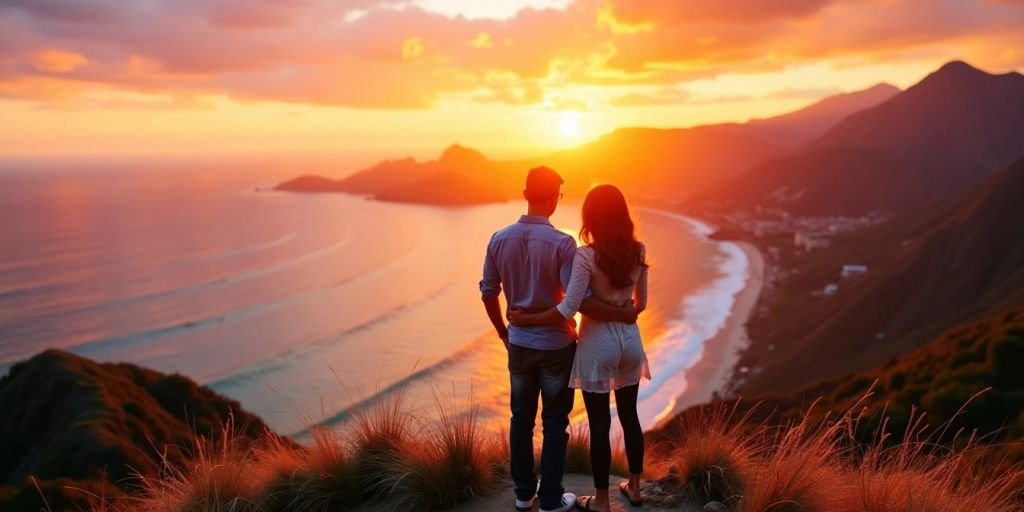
{"x":223,"y":76}
{"x":569,"y":126}
{"x":301,"y":255}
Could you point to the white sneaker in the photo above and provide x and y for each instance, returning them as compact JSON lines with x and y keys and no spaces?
{"x":524,"y":506}
{"x":568,"y":502}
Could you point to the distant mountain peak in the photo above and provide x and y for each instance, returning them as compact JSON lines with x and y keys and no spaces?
{"x":958,"y":66}
{"x":460,"y":155}
{"x":941,"y":136}
{"x":799,"y":127}
{"x":456,"y":147}
{"x":884,"y":87}
{"x":956,"y":72}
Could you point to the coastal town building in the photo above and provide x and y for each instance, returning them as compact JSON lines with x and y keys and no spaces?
{"x":808,"y":241}
{"x":853,"y":270}
{"x":767,"y":222}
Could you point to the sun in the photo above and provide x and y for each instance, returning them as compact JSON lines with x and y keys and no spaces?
{"x":569,"y":126}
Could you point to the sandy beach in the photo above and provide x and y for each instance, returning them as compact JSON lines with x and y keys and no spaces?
{"x":720,"y":354}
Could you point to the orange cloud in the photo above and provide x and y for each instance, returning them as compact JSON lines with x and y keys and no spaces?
{"x":482,"y":40}
{"x":664,"y":96}
{"x":660,"y":12}
{"x":56,"y":61}
{"x":393,"y":54}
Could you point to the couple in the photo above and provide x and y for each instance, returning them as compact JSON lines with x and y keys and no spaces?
{"x":546,"y":280}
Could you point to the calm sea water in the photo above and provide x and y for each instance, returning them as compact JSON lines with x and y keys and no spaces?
{"x":301,"y":306}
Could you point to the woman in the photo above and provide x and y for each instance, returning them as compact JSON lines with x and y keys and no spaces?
{"x":610,"y":357}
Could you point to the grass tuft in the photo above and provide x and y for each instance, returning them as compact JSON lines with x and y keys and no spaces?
{"x":453,"y":463}
{"x":577,"y":453}
{"x":220,"y":477}
{"x":709,"y":458}
{"x":389,"y":460}
{"x":379,"y":440}
{"x":800,"y":471}
{"x":319,"y":478}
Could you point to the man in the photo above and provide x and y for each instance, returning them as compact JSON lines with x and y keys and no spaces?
{"x":532,"y":261}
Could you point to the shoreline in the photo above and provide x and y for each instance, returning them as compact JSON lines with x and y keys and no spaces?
{"x":720,"y":354}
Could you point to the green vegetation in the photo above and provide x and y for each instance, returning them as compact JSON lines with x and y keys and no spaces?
{"x":969,"y":380}
{"x":71,"y":423}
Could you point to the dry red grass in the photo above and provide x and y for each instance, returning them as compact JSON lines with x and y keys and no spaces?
{"x":392,"y":461}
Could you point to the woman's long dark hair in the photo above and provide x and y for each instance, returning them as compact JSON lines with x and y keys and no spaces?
{"x":608,"y":228}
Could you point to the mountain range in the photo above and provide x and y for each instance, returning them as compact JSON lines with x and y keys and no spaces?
{"x":929,"y":271}
{"x":803,"y":126}
{"x":876,"y":150}
{"x":653,"y":163}
{"x":946,"y":133}
{"x":460,"y":176}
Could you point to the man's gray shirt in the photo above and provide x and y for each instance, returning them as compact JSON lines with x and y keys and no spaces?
{"x":532,"y":261}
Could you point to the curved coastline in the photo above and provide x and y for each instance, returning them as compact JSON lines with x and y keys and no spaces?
{"x":702,"y":340}
{"x":709,"y":332}
{"x":711,"y":372}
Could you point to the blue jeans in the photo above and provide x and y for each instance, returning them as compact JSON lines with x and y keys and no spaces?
{"x":543,"y":373}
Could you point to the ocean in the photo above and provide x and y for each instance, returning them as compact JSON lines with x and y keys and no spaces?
{"x":304,"y":306}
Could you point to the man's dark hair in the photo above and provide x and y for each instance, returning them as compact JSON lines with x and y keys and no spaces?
{"x":542,"y":183}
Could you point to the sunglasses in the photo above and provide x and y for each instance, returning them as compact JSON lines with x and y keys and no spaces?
{"x":559,"y":194}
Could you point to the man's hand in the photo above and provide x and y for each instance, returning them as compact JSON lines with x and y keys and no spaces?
{"x":601,"y":310}
{"x":629,"y":313}
{"x":503,"y":334}
{"x":493,"y":307}
{"x":515,"y":316}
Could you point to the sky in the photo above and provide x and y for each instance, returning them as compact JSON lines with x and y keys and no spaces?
{"x":512,"y":78}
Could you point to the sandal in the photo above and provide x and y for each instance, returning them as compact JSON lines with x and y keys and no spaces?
{"x":623,"y":485}
{"x":583,"y":503}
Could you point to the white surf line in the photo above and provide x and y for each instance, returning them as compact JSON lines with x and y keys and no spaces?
{"x":703,"y":313}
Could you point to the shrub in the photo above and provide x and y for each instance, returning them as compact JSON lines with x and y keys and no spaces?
{"x":320,"y":478}
{"x":946,"y":400}
{"x":1006,"y":355}
{"x":801,"y":472}
{"x":220,"y":477}
{"x":707,"y":459}
{"x":920,"y":474}
{"x":854,"y":387}
{"x":897,"y":381}
{"x":577,"y":452}
{"x":817,"y":463}
{"x":59,"y":494}
{"x":836,"y":463}
{"x":451,"y":463}
{"x":965,"y":358}
{"x":377,"y":457}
